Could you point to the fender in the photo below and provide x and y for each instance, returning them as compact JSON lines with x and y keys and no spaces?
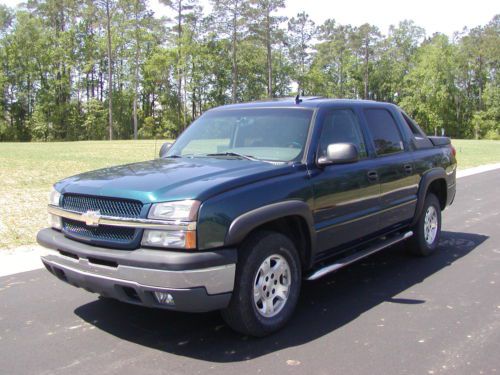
{"x":426,"y":180}
{"x":245,"y":223}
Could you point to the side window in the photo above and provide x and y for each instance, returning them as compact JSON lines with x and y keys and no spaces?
{"x":413,"y":127}
{"x":341,"y":126}
{"x":384,"y":131}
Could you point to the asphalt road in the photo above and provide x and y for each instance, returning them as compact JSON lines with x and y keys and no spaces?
{"x":391,"y":314}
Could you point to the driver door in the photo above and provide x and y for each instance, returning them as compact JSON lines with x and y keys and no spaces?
{"x":347,"y":199}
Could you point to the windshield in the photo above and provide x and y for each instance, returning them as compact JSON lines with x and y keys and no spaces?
{"x":272,"y":134}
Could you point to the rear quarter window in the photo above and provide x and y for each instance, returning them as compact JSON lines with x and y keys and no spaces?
{"x":416,"y":131}
{"x":420,"y":138}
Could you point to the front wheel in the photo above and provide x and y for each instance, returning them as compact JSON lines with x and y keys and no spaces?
{"x":267,"y":285}
{"x":427,"y":230}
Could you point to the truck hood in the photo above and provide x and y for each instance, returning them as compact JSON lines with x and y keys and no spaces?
{"x":171,"y":179}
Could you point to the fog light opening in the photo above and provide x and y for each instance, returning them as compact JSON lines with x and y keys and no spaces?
{"x":164,"y":298}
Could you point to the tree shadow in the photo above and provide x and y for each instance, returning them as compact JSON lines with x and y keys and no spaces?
{"x":324,"y":306}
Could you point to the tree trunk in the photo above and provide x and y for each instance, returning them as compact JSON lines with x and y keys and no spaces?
{"x":341,"y":74}
{"x":179,"y":69}
{"x":480,"y":83}
{"x":136,"y":75}
{"x":100,"y":88}
{"x":184,"y":101}
{"x":110,"y":72}
{"x":366,"y":70}
{"x":269,"y":56}
{"x":135,"y":109}
{"x":235,"y":66}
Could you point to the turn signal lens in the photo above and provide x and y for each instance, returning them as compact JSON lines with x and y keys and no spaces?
{"x":55,"y":222}
{"x":190,"y":239}
{"x":179,"y":239}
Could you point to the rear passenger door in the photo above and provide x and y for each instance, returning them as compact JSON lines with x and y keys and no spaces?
{"x":395,"y":168}
{"x":346,"y":200}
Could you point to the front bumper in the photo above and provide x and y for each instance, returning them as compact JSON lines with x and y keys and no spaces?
{"x":197,"y":281}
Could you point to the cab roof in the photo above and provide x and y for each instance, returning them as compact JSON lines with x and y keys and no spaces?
{"x":306,"y":102}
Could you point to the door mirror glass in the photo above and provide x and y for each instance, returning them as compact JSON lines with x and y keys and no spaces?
{"x":164,"y":148}
{"x":339,"y":153}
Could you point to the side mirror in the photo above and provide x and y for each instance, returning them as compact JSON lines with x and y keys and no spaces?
{"x":164,"y":148}
{"x":339,"y":153}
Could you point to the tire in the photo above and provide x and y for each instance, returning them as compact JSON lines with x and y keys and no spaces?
{"x":262,"y":314}
{"x":427,"y":230}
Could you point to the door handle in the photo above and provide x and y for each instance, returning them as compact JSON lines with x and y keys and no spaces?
{"x":372,"y":176}
{"x":408,"y":168}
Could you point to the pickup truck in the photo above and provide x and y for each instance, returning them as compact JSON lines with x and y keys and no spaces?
{"x":250,"y":201}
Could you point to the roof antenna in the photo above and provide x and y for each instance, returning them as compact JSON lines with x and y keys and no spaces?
{"x":297,"y":99}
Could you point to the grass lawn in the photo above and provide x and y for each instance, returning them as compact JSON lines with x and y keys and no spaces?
{"x":471,"y":153}
{"x":27,"y":170}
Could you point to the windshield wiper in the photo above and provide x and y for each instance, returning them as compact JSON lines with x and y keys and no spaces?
{"x":186,"y":156}
{"x":248,"y":157}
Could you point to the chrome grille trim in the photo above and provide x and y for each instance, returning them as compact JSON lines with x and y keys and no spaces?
{"x":126,"y":222}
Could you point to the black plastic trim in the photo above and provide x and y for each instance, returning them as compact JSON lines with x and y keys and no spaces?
{"x":142,"y":257}
{"x":452,"y":190}
{"x":426,"y":180}
{"x":439,"y":141}
{"x":244,"y":224}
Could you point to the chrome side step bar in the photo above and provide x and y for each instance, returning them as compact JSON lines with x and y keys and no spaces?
{"x":360,"y":255}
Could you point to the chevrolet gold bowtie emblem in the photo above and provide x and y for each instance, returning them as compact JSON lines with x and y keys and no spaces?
{"x":92,"y":218}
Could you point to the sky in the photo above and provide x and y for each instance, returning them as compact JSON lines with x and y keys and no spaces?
{"x":445,"y":16}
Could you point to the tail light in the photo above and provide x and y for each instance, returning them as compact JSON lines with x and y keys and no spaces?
{"x":453,"y":150}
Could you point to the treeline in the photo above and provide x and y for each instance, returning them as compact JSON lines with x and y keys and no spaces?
{"x":78,"y":70}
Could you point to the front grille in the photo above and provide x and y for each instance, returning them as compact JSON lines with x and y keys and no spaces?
{"x":106,"y":206}
{"x":103,"y":235}
{"x":102,"y":232}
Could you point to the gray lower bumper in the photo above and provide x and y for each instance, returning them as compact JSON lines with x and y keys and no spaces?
{"x":193,"y":290}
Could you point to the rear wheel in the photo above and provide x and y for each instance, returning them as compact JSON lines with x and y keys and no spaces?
{"x":267,"y":285}
{"x":427,"y":230}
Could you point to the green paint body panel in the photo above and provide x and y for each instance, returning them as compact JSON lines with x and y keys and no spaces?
{"x":345,"y":205}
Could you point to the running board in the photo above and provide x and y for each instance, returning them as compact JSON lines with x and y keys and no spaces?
{"x":357,"y":256}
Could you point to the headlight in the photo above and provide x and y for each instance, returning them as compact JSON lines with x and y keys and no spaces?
{"x":181,"y":210}
{"x":177,"y":211}
{"x":54,"y":197}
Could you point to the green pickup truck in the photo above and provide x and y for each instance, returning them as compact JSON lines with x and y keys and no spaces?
{"x":249,"y":201}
